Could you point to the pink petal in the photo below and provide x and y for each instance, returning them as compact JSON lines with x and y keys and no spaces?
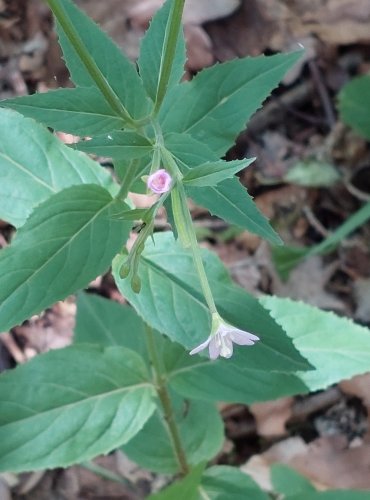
{"x":243,"y":338}
{"x":200,"y":347}
{"x":214,"y":347}
{"x":160,"y":181}
{"x":228,"y":344}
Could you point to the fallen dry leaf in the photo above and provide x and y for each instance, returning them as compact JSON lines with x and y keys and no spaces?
{"x":258,"y":466}
{"x":331,"y":462}
{"x":195,"y":12}
{"x":272,"y":416}
{"x":358,"y":386}
{"x":307,"y":282}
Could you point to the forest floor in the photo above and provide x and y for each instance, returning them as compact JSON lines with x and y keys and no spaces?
{"x":311,"y":174}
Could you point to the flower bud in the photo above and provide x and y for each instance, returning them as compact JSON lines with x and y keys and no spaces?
{"x":136,"y":284}
{"x":125,"y":269}
{"x":159,"y":182}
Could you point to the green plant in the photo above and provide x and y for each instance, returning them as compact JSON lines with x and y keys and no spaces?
{"x":128,"y":381}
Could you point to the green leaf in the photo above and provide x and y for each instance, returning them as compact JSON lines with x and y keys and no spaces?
{"x":107,"y":323}
{"x":80,"y":111}
{"x":211,"y":174}
{"x":152,"y":50}
{"x":286,"y":258}
{"x":312,"y":173}
{"x":337,"y":347}
{"x":134,"y":214}
{"x":288,"y":482}
{"x":34,"y":165}
{"x":172,"y":303}
{"x":185,"y":489}
{"x":104,"y":322}
{"x":226,"y":380}
{"x":320,"y":336}
{"x":229,"y":200}
{"x":229,"y":483}
{"x":118,"y":145}
{"x":201,"y":432}
{"x":215,"y":106}
{"x":71,"y":405}
{"x":68,"y":240}
{"x":354,"y":105}
{"x":118,"y":71}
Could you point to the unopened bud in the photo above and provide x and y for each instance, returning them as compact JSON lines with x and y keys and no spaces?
{"x":125,"y":269}
{"x":159,"y":182}
{"x":136,"y":284}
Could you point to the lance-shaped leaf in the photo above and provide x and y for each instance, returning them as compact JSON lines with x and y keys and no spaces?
{"x":337,"y":347}
{"x":71,"y":405}
{"x":152,"y":50}
{"x":80,"y":111}
{"x":106,"y":323}
{"x":229,"y":200}
{"x":216,"y":105}
{"x":201,"y":431}
{"x":354,"y":104}
{"x":171,"y":301}
{"x":68,"y":240}
{"x":34,"y":165}
{"x":212,"y":173}
{"x":119,"y":145}
{"x":118,"y":71}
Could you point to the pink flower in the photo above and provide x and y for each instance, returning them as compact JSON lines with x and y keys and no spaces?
{"x":160,"y":181}
{"x":220,"y":343}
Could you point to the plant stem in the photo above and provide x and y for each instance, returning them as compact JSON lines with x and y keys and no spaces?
{"x":89,"y":63}
{"x":172,"y":34}
{"x":165,"y":400}
{"x":197,"y":258}
{"x":186,"y":225}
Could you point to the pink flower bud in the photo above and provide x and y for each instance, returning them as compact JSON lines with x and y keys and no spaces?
{"x":160,"y":181}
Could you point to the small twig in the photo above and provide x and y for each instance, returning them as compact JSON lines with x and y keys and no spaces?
{"x":314,"y":403}
{"x":323,"y":93}
{"x":313,"y":220}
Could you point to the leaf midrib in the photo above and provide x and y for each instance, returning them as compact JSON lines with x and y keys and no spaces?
{"x":27,"y":172}
{"x":79,"y":112}
{"x":81,"y":401}
{"x":222,"y":102}
{"x":65,"y":245}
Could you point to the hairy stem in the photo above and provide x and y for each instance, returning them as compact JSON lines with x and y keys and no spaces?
{"x":89,"y":63}
{"x":184,"y":224}
{"x":166,"y":403}
{"x":172,"y":35}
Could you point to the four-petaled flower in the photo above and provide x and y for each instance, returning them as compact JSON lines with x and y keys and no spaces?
{"x":160,"y":181}
{"x":220,"y":342}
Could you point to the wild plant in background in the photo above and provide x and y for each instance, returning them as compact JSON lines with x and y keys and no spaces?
{"x":129,"y":380}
